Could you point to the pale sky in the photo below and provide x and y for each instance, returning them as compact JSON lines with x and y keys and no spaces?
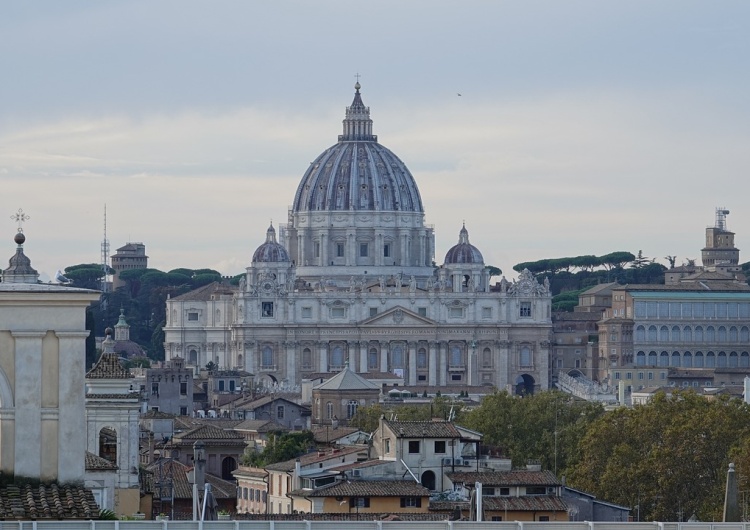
{"x":583,"y":127}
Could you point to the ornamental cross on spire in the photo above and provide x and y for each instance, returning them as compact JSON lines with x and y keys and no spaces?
{"x":20,"y":217}
{"x":357,"y":76}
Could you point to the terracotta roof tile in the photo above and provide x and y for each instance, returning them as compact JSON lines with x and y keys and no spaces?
{"x":520,"y":477}
{"x":423,"y":429}
{"x":177,"y":472}
{"x":47,"y":502}
{"x":205,"y":293}
{"x":207,"y":432}
{"x":314,"y":457}
{"x":372,"y":488}
{"x":527,"y":503}
{"x":97,"y":463}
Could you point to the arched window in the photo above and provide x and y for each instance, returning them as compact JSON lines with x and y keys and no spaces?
{"x":372,"y":358}
{"x":733,"y":334}
{"x":640,"y":359}
{"x":710,"y":360}
{"x":710,"y":334}
{"x":744,"y":334}
{"x":721,"y":360}
{"x":228,"y":465}
{"x":421,"y":358}
{"x":687,"y":334}
{"x":108,"y":444}
{"x":329,"y":410}
{"x":675,"y":359}
{"x":698,"y":362}
{"x":307,"y":358}
{"x":722,"y":334}
{"x":733,"y":360}
{"x":664,"y":359}
{"x":525,"y":356}
{"x":664,"y":334}
{"x":652,"y":358}
{"x":687,"y":359}
{"x":336,"y":358}
{"x":351,"y":408}
{"x":456,"y":356}
{"x":266,"y":360}
{"x":428,"y":480}
{"x":675,"y":334}
{"x":698,"y":333}
{"x":652,"y":333}
{"x":397,"y":356}
{"x":239,"y":360}
{"x":193,"y":356}
{"x":487,"y":358}
{"x":640,"y":333}
{"x":744,"y":360}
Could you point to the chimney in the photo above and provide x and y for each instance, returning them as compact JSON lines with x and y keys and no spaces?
{"x":151,"y":447}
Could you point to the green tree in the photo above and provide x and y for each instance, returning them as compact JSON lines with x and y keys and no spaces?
{"x":666,"y":459}
{"x":282,"y":446}
{"x":546,"y":426}
{"x":493,"y":271}
{"x":86,"y":275}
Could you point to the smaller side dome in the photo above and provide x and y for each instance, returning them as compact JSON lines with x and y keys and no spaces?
{"x":271,"y":251}
{"x":464,"y":252}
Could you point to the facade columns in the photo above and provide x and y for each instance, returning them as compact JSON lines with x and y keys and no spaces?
{"x":71,"y":424}
{"x":323,"y":360}
{"x":412,"y":363}
{"x":443,"y":363}
{"x":291,"y":362}
{"x":384,"y":349}
{"x":433,"y":364}
{"x":250,"y":357}
{"x":351,"y":354}
{"x":363,"y":364}
{"x":28,"y":390}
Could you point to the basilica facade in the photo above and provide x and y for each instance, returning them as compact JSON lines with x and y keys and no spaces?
{"x":351,"y":280}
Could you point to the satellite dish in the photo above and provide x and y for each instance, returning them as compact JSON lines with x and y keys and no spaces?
{"x":61,"y":279}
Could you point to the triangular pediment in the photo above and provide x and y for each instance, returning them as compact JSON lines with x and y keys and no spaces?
{"x":398,"y":316}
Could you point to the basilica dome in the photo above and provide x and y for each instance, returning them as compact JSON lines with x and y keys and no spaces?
{"x":464,"y":252}
{"x":357,"y":173}
{"x":271,"y":251}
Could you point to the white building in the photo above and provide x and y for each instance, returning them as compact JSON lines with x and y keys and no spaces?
{"x":353,"y":278}
{"x":42,"y":366}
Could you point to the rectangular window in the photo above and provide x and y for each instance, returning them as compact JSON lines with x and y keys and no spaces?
{"x":617,"y":375}
{"x":373,"y":311}
{"x":488,"y":492}
{"x":456,"y":312}
{"x":221,"y":385}
{"x":338,"y":312}
{"x":339,"y":250}
{"x":640,"y":375}
{"x":486,"y":312}
{"x":559,"y":363}
{"x":363,"y":250}
{"x":387,"y":445}
{"x":387,"y":250}
{"x":629,"y":375}
{"x":280,"y":412}
{"x":455,"y":377}
{"x":183,"y":389}
{"x":440,"y":447}
{"x":536,"y":490}
{"x":155,"y":389}
{"x":544,"y":517}
{"x":267,"y":309}
{"x":411,"y":502}
{"x":316,"y":250}
{"x":413,"y":447}
{"x":359,"y":502}
{"x":578,"y":363}
{"x":663,"y":375}
{"x":525,"y":309}
{"x":422,"y":311}
{"x":504,"y":492}
{"x":183,"y":411}
{"x":497,"y":518}
{"x":307,"y":312}
{"x":651,"y":375}
{"x":193,"y":317}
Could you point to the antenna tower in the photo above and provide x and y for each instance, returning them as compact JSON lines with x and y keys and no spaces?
{"x":721,"y":218}
{"x":107,"y":279}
